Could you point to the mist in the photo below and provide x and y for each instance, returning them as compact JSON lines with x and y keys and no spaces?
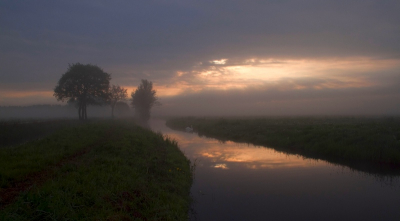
{"x":46,"y":112}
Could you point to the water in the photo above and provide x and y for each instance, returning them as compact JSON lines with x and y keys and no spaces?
{"x":236,"y":181}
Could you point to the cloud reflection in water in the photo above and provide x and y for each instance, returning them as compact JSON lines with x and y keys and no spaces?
{"x":217,"y":154}
{"x":248,"y":156}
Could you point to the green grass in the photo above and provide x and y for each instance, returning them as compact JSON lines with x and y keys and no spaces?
{"x":19,"y":161}
{"x":129,"y":173}
{"x":15,"y":132}
{"x":351,"y":139}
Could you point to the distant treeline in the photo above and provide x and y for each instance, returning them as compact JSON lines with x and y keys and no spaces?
{"x":56,"y":111}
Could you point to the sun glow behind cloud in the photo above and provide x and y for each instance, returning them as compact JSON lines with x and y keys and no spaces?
{"x":30,"y":97}
{"x":282,"y":74}
{"x":222,"y":61}
{"x":22,"y":94}
{"x":252,"y":73}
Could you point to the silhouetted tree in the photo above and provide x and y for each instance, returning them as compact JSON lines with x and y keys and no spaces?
{"x":143,"y":100}
{"x":117,"y":93}
{"x":83,"y":85}
{"x":122,"y":108}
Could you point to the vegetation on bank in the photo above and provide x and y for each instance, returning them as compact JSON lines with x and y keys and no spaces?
{"x":109,"y":170}
{"x":353,"y":139}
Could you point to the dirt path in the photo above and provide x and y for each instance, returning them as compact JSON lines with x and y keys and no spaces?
{"x":8,"y":195}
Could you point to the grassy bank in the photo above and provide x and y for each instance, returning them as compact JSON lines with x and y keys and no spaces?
{"x":14,"y":132}
{"x":349,"y":139}
{"x":98,"y":171}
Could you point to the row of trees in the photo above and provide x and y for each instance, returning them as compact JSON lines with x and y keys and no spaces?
{"x":89,"y":85}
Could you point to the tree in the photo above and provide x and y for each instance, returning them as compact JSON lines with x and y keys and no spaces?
{"x":117,"y":93}
{"x":143,"y":100}
{"x":122,"y":109}
{"x":83,"y":85}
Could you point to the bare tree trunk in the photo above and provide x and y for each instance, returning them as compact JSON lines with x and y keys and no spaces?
{"x":79,"y":111}
{"x":85,"y":112}
{"x":82,"y":112}
{"x":112,"y":110}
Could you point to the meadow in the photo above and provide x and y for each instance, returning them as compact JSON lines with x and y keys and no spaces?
{"x":101,"y":170}
{"x":17,"y":131}
{"x":371,"y":144}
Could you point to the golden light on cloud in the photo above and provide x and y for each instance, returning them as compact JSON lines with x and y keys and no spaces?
{"x":221,"y":166}
{"x":162,"y":90}
{"x":24,"y":94}
{"x":172,"y":89}
{"x":221,"y":61}
{"x":17,"y":97}
{"x":341,"y":70}
{"x":283,"y":74}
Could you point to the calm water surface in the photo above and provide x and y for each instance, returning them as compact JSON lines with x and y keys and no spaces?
{"x":236,"y":181}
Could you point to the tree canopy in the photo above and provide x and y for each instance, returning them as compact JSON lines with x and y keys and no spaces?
{"x":143,"y":100}
{"x":83,"y":84}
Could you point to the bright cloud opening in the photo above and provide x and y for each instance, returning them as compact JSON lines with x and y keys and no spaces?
{"x":222,"y":61}
{"x":283,"y":74}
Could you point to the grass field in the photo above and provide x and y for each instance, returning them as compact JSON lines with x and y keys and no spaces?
{"x":14,"y":132}
{"x":108,"y":170}
{"x":356,"y":141}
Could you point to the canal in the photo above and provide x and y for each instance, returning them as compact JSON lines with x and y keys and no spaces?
{"x":235,"y":181}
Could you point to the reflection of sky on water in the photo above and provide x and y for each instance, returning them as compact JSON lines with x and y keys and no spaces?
{"x":222,"y":154}
{"x":244,"y":182}
{"x":249,"y":156}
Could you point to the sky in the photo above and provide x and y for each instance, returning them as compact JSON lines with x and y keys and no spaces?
{"x":212,"y":57}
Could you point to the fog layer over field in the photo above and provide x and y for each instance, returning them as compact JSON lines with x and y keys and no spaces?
{"x":266,"y":101}
{"x":56,"y":111}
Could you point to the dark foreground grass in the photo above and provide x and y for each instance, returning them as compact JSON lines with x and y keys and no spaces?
{"x":15,"y":132}
{"x":126,"y":173}
{"x":17,"y":162}
{"x":348,"y":140}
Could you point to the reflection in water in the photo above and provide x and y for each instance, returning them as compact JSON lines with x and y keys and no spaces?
{"x":249,"y":156}
{"x":244,"y":182}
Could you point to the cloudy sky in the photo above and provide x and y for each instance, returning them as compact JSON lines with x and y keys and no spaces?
{"x":211,"y":57}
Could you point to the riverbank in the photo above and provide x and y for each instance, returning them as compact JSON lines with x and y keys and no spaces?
{"x":355,"y":141}
{"x":107,"y":170}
